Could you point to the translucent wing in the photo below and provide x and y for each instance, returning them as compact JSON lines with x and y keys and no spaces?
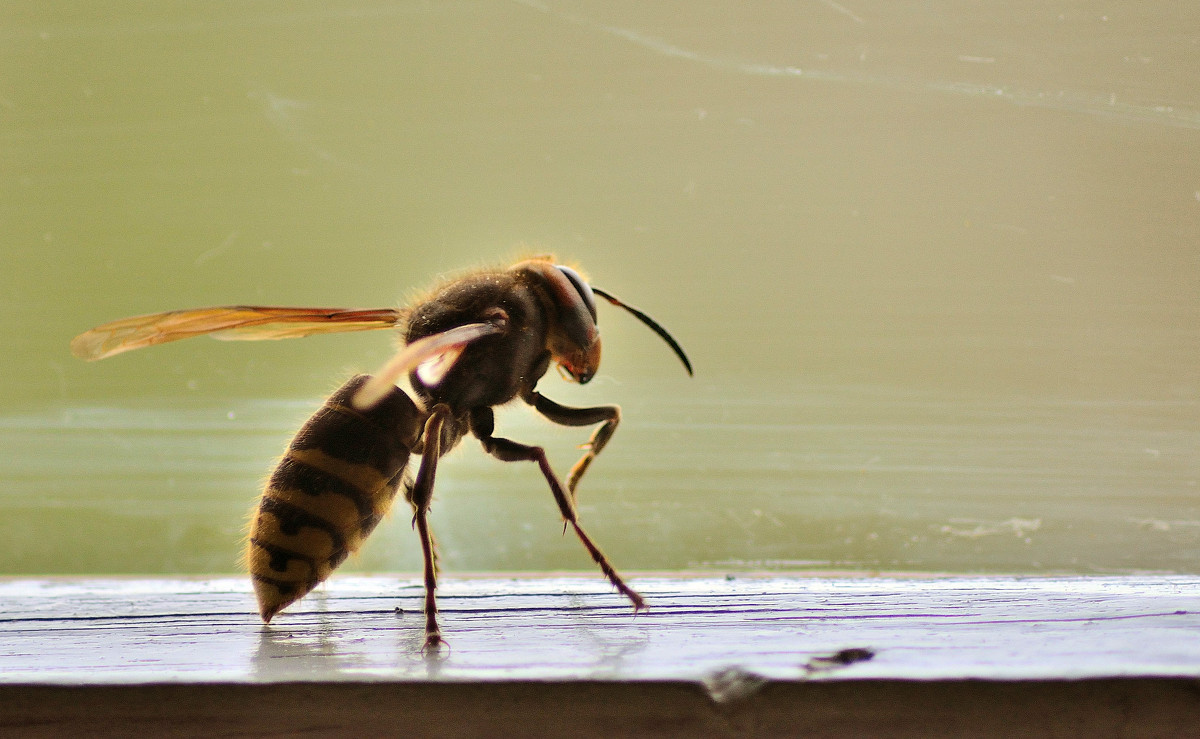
{"x":433,"y":355}
{"x":235,"y":322}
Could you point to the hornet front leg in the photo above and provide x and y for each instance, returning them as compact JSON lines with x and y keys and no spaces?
{"x":609,"y":415}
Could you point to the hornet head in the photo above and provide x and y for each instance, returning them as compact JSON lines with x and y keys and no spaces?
{"x":574,"y":339}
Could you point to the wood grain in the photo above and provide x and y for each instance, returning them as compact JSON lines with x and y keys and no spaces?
{"x":708,"y":651}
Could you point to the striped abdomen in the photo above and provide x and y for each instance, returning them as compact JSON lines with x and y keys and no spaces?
{"x":335,"y":483}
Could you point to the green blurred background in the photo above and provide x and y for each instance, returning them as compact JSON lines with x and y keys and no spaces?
{"x":937,"y":265}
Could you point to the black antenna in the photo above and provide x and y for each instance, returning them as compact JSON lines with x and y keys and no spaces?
{"x":654,"y":326}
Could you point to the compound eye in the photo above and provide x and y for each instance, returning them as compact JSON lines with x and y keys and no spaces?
{"x":581,"y":287}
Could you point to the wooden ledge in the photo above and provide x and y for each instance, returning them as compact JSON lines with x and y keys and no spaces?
{"x":564,"y":654}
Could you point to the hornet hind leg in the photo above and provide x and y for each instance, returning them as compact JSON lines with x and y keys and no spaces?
{"x":420,"y":495}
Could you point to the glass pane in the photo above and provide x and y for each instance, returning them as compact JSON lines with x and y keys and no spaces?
{"x":936,"y":267}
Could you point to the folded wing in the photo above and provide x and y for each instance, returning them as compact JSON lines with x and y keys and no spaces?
{"x":231,"y":323}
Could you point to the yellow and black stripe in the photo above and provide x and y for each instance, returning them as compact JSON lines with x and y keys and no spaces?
{"x":335,"y":483}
